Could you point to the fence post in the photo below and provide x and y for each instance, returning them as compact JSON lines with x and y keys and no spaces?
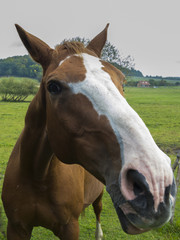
{"x":176,"y":165}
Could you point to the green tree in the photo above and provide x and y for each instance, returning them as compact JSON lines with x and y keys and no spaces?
{"x":131,"y":83}
{"x":109,"y":53}
{"x":163,"y":83}
{"x":20,"y":66}
{"x":152,"y":82}
{"x":17,"y":90}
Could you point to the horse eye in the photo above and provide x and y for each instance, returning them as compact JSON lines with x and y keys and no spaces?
{"x":54,"y":87}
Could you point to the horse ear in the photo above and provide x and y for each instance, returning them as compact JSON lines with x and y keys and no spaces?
{"x":38,"y":49}
{"x":96,"y":44}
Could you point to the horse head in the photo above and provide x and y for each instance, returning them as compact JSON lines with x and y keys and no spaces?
{"x":89,"y":122}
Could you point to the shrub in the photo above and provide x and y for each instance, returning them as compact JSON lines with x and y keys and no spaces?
{"x":16,"y":90}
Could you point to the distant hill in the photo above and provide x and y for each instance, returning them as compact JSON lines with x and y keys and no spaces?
{"x":154,"y":81}
{"x":165,"y":78}
{"x":128,"y":72}
{"x":20,"y":66}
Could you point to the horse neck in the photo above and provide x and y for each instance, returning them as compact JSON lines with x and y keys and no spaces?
{"x":35,"y":151}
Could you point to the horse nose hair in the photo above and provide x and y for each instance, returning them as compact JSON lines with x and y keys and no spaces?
{"x":138,"y":182}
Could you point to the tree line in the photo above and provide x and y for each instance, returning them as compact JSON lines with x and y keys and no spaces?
{"x":24,"y":66}
{"x":163,"y":78}
{"x":20,"y":66}
{"x":154,"y":82}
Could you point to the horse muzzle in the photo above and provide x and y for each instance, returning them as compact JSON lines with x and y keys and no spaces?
{"x":137,"y":211}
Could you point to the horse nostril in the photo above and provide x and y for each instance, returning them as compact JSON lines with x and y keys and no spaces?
{"x":137,"y":189}
{"x":137,"y":181}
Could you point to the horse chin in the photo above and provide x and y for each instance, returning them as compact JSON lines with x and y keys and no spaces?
{"x":119,"y":201}
{"x":127,"y":226}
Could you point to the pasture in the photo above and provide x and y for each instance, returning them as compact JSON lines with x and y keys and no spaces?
{"x":160,"y":110}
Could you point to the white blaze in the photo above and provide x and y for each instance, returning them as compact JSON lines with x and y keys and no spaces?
{"x":138,"y":149}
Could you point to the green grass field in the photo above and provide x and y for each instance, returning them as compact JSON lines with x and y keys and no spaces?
{"x":19,"y":78}
{"x":159,"y":108}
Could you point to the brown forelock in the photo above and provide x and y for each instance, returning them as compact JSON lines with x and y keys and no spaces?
{"x":116,"y":75}
{"x":73,"y":47}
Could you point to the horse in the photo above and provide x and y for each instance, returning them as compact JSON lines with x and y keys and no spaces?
{"x":80,"y":117}
{"x":40,"y":190}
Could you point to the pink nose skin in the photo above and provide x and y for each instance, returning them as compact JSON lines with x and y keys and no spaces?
{"x":139,"y":205}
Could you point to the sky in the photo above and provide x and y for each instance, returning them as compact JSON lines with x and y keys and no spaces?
{"x":148,"y":30}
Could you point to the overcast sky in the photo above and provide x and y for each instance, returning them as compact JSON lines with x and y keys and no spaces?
{"x":148,"y":30}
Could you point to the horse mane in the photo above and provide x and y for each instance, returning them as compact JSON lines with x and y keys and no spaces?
{"x":72,"y":47}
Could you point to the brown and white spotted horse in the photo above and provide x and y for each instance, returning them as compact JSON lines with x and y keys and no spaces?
{"x":80,"y":117}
